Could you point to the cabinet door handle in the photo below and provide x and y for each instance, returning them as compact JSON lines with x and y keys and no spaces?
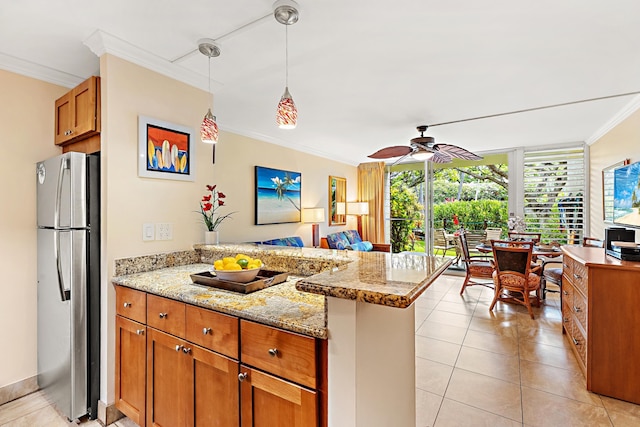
{"x":140,"y":331}
{"x":575,"y":341}
{"x":577,"y":309}
{"x":242,"y":376}
{"x":127,"y":304}
{"x":178,"y":347}
{"x":273,"y":352}
{"x":163,"y":315}
{"x":186,"y":350}
{"x":206,"y":331}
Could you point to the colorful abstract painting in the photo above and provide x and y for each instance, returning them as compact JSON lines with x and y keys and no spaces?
{"x":166,"y":150}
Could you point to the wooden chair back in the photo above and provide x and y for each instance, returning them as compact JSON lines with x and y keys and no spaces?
{"x":512,"y":257}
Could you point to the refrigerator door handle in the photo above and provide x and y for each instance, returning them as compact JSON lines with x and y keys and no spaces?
{"x":65,"y":294}
{"x":56,"y":212}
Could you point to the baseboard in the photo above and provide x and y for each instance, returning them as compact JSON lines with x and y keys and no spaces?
{"x":16,"y":390}
{"x":108,"y":414}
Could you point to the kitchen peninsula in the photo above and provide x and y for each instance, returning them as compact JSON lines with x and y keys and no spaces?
{"x":347,"y":316}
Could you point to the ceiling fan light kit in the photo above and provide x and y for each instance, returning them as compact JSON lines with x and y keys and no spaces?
{"x":286,"y":13}
{"x":209,"y":127}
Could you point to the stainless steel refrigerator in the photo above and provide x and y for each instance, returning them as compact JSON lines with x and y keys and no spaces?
{"x":68,"y":203}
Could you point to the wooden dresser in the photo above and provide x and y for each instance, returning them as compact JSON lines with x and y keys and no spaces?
{"x":601,"y":319}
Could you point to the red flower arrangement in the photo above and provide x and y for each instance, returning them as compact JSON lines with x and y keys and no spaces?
{"x":208,"y":207}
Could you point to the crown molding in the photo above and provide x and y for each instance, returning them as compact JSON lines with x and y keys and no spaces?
{"x":101,"y":42}
{"x":621,"y":115}
{"x":40,"y":72}
{"x":265,"y":138}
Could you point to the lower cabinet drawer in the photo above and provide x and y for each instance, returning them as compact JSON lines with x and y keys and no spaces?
{"x":580,"y":343}
{"x":282,"y":353}
{"x":131,"y":304}
{"x":579,"y":308}
{"x":166,"y":315}
{"x":212,"y":330}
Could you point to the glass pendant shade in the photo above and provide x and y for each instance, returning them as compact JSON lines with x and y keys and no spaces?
{"x":209,"y":128}
{"x":287,"y":115}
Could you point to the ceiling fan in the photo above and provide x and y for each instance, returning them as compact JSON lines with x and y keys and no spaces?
{"x":425,"y":147}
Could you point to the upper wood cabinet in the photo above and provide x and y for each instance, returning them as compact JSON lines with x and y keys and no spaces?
{"x":78,"y":112}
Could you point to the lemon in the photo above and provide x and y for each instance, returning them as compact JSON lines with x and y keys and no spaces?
{"x":218,"y":264}
{"x":232,"y":267}
{"x":228,"y":259}
{"x":243,"y":256}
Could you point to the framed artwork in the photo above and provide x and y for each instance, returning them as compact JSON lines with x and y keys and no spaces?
{"x":607,"y":190}
{"x":165,"y":150}
{"x":337,"y":200}
{"x":277,"y":196}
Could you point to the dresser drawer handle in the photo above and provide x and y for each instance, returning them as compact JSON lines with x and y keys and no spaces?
{"x":273,"y":352}
{"x":242,"y":376}
{"x":140,"y":331}
{"x":565,"y":319}
{"x":577,"y":309}
{"x":163,"y":315}
{"x":206,"y":331}
{"x":577,"y":276}
{"x":575,"y":341}
{"x":565,"y":293}
{"x":565,"y":265}
{"x":127,"y":304}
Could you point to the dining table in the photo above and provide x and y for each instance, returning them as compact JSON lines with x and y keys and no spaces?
{"x":538,"y":251}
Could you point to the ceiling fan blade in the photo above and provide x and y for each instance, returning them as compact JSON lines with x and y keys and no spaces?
{"x":440,"y":157}
{"x":457,"y":152}
{"x":388,"y":152}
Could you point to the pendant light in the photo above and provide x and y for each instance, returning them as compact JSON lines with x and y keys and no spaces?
{"x":209,"y":127}
{"x":286,"y":13}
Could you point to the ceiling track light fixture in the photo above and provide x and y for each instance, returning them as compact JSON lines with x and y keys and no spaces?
{"x":286,"y":13}
{"x":209,"y":127}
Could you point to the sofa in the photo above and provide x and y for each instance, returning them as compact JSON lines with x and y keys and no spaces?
{"x":351,"y":240}
{"x":295,"y":241}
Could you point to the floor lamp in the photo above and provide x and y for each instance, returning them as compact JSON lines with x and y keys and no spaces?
{"x":314,"y":216}
{"x":358,"y":209}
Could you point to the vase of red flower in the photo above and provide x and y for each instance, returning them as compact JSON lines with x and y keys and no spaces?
{"x":212,"y":219}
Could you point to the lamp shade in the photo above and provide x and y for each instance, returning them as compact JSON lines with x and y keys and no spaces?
{"x":287,"y":114}
{"x":209,"y":129}
{"x":313,"y":215}
{"x":357,"y":208}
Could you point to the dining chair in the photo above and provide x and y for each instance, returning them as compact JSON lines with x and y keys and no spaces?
{"x":513,"y":275}
{"x":478,"y":271}
{"x":526,"y":236}
{"x":551,"y":272}
{"x":592,"y":242}
{"x":440,"y":242}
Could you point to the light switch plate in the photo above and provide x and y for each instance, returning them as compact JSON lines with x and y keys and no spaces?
{"x":148,"y":232}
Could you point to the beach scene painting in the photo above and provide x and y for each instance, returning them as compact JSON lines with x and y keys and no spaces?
{"x":277,"y":196}
{"x":626,"y":195}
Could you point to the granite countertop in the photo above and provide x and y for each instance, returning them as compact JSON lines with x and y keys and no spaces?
{"x":279,"y":305}
{"x":297,"y":305}
{"x":394,"y":280}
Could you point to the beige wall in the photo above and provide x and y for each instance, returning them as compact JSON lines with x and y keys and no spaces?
{"x":26,"y":120}
{"x":129,"y":201}
{"x":622,"y":142}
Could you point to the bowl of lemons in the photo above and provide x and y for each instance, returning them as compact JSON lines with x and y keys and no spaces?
{"x":241,"y":268}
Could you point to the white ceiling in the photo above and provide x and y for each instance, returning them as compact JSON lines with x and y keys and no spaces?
{"x":363,"y":74}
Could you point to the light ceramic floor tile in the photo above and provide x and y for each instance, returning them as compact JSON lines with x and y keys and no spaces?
{"x":432,"y":376}
{"x":124,"y":422}
{"x":21,"y":407}
{"x":456,"y":414}
{"x":548,"y":354}
{"x":543,"y":336}
{"x":562,"y":382}
{"x":495,"y":365}
{"x":621,"y":406}
{"x":439,"y":331}
{"x":427,"y":407}
{"x":46,"y":416}
{"x":452,"y":319}
{"x":424,"y":302}
{"x":459,"y":308}
{"x":622,"y":419}
{"x":490,"y":394}
{"x":420,"y":316}
{"x":546,"y":409}
{"x":436,"y":350}
{"x":496,"y":343}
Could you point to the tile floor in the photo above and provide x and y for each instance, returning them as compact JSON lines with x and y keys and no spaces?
{"x":473,"y":368}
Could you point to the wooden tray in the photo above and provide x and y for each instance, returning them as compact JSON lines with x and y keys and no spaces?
{"x":264,"y":279}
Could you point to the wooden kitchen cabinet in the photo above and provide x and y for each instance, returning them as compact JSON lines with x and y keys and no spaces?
{"x":192,"y":374}
{"x":601,"y":319}
{"x":77,"y":115}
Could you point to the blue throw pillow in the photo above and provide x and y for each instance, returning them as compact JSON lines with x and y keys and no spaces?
{"x":362,"y":246}
{"x":352,"y":236}
{"x":337,"y":240}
